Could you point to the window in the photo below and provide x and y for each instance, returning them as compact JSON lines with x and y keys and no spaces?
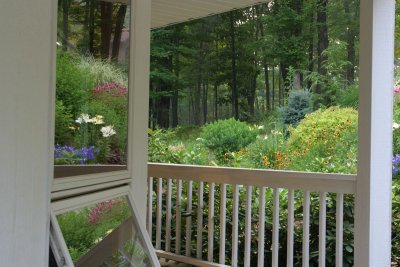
{"x":92,"y":87}
{"x":99,"y":229}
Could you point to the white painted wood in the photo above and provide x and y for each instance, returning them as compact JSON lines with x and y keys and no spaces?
{"x":306,"y":229}
{"x":247,"y":231}
{"x":323,"y":182}
{"x":83,"y":181}
{"x":339,"y":230}
{"x":322,"y":230}
{"x":178,"y":216}
{"x":166,"y":12}
{"x":149,"y":225}
{"x":200,"y":204}
{"x":211,"y":192}
{"x":290,"y":229}
{"x":261,"y":229}
{"x":275,"y":228}
{"x":69,"y":204}
{"x":189,"y":218}
{"x":222,"y":226}
{"x":56,"y":195}
{"x":139,"y":73}
{"x":159,"y":213}
{"x":235,"y":225}
{"x":168,"y":217}
{"x":27,"y":67}
{"x":373,"y":186}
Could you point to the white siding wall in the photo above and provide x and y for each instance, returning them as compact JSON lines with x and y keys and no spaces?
{"x":26,"y":103}
{"x":373,"y":188}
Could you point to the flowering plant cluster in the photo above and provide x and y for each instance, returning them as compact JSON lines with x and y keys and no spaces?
{"x":70,"y":155}
{"x":395,"y":164}
{"x":106,"y":131}
{"x":113,"y":88}
{"x":98,"y":209}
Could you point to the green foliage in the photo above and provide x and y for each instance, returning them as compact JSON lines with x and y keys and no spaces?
{"x":63,"y":121}
{"x":298,"y":105}
{"x":325,"y":141}
{"x":227,"y":136}
{"x":72,"y":84}
{"x":81,"y":233}
{"x":349,"y":97}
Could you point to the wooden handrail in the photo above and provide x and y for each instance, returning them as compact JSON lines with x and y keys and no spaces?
{"x":317,"y":182}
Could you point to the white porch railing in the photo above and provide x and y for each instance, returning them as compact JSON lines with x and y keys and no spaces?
{"x":183,"y":194}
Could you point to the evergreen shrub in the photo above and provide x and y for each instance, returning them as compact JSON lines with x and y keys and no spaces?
{"x":298,"y":105}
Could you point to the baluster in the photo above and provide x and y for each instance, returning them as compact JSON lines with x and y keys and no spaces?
{"x":306,"y":229}
{"x":339,"y":230}
{"x":261,"y":221}
{"x":210,"y":255}
{"x":178,"y":216}
{"x":222,"y":225}
{"x":275,"y":229}
{"x":150,"y":207}
{"x":159,"y":214}
{"x":200,"y":203}
{"x":235,"y":225}
{"x":247,"y":234}
{"x":189,"y":219}
{"x":290,"y":228}
{"x":322,"y":229}
{"x":168,"y":217}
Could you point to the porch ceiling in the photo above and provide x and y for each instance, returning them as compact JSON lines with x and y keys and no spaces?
{"x":166,"y":12}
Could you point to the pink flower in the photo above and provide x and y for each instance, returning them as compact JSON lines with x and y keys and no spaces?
{"x":396,"y":89}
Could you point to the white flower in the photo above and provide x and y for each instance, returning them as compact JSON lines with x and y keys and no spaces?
{"x":98,"y":119}
{"x":83,"y":118}
{"x":261,"y":127}
{"x":108,"y":131}
{"x":395,"y":125}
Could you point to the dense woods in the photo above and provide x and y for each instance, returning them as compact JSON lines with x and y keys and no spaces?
{"x":243,"y":63}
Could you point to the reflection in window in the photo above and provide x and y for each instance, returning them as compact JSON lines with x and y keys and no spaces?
{"x":92,"y":82}
{"x":104,"y":234}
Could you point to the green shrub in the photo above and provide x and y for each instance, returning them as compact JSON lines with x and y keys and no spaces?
{"x":348,"y":97}
{"x":299,"y":104}
{"x":325,"y":141}
{"x":63,"y":121}
{"x":227,"y":136}
{"x":73,"y":84}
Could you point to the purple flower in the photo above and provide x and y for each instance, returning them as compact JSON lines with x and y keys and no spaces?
{"x":69,"y":153}
{"x":395,"y":164}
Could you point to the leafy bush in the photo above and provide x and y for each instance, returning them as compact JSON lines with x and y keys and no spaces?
{"x":325,"y":141}
{"x":63,"y":121}
{"x":266,"y":152}
{"x":299,"y":104}
{"x":73,"y":84}
{"x":348,"y":97}
{"x":227,"y":136}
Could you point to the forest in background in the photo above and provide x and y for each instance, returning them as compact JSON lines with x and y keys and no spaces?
{"x":243,"y":63}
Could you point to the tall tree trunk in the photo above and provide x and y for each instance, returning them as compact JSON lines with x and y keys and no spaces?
{"x":106,"y":28}
{"x":65,"y":5}
{"x":92,"y":10}
{"x":280,"y":94}
{"x":273,"y":87}
{"x":350,"y":38}
{"x":215,"y":101}
{"x":311,"y":46}
{"x":267,"y":87}
{"x":323,"y":41}
{"x":175,"y":96}
{"x":205,"y":94}
{"x":235,"y":95}
{"x":119,"y":25}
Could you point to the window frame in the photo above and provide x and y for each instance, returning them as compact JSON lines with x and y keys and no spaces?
{"x":66,"y":179}
{"x":57,"y":241}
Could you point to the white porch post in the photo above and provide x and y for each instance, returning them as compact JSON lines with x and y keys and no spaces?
{"x":373,"y":189}
{"x":139,"y":101}
{"x":27,"y":54}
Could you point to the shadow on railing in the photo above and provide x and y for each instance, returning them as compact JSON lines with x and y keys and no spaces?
{"x":273,"y":217}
